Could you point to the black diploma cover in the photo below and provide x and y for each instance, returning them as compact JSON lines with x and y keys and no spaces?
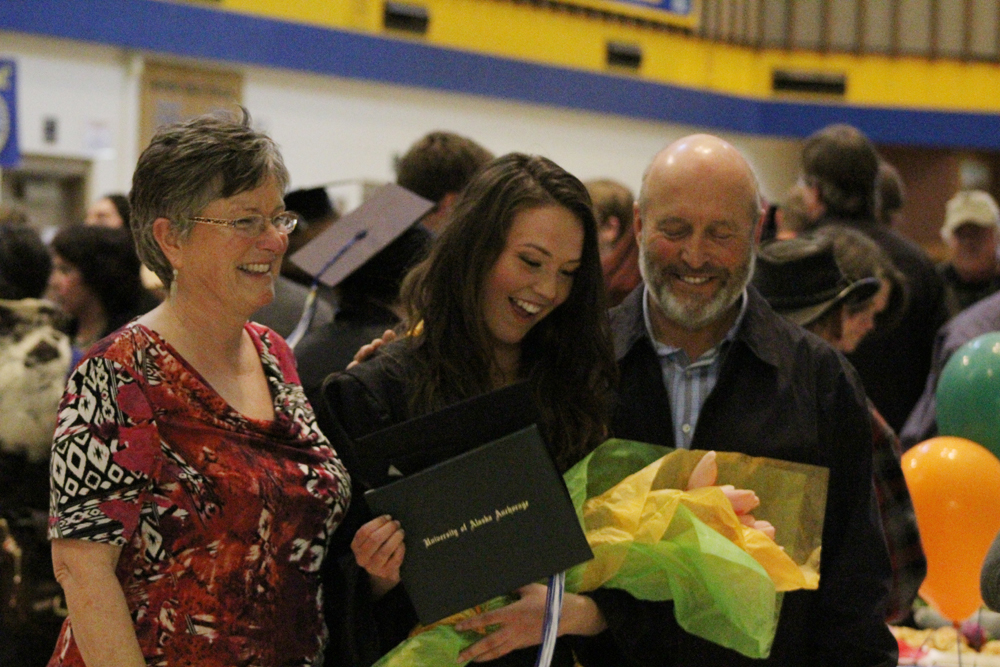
{"x":411,"y":446}
{"x":482,"y":524}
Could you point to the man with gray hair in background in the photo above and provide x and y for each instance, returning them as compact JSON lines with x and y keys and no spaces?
{"x":706,"y":364}
{"x":972,"y":294}
{"x":972,"y":230}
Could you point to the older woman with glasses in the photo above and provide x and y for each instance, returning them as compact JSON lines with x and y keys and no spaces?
{"x":193,"y":496}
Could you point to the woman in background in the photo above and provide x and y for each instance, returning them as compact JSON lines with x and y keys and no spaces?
{"x":193,"y":496}
{"x":111,"y":210}
{"x":862,"y":260}
{"x":95,"y":280}
{"x":834,"y":283}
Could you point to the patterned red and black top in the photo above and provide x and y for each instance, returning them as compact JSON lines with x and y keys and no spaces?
{"x":223,"y":520}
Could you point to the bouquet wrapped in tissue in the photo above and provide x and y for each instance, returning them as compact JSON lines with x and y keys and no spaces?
{"x":659,"y":542}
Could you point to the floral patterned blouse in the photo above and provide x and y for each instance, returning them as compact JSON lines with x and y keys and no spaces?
{"x":223,"y":520}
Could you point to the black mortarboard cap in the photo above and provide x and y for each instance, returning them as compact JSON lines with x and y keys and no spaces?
{"x":366,"y":230}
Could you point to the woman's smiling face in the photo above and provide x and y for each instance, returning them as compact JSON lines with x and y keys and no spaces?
{"x":534,"y":274}
{"x":224,"y":271}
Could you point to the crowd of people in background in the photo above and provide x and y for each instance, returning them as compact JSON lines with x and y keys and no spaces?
{"x":142,"y":309}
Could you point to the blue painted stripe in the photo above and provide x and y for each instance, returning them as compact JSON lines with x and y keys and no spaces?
{"x":199,"y":32}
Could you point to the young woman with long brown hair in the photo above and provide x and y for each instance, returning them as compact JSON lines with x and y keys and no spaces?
{"x":511,"y":291}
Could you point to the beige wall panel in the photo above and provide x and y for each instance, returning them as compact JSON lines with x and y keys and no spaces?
{"x":176,"y":92}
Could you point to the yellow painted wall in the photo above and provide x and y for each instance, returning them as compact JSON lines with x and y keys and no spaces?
{"x":548,"y":36}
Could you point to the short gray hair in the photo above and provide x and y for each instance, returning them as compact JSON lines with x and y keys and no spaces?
{"x":190,"y":164}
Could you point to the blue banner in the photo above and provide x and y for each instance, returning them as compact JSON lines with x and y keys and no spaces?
{"x":9,"y":153}
{"x":679,"y":7}
{"x":677,"y":13}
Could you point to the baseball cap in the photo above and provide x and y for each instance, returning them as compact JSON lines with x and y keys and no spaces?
{"x":974,"y":207}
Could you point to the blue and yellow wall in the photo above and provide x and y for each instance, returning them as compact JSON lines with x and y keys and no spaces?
{"x":539,"y":54}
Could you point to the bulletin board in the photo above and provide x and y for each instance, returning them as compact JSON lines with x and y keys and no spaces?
{"x":172,"y":93}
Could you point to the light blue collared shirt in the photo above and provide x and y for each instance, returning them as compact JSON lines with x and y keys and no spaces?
{"x":689,"y":383}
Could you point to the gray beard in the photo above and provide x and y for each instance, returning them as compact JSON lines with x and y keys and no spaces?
{"x":693,"y":315}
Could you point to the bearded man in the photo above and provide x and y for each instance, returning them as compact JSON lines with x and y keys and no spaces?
{"x":706,"y":364}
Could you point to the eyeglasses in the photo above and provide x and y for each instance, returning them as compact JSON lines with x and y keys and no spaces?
{"x":253,"y":226}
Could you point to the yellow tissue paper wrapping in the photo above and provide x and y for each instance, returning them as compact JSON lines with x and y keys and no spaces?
{"x":657,"y":542}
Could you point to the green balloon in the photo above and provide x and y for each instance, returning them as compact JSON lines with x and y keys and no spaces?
{"x":968,"y":393}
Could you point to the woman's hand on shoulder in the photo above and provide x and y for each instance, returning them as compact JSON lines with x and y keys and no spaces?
{"x":366,"y":351}
{"x":743,"y":501}
{"x":378,"y":548}
{"x":521,"y":623}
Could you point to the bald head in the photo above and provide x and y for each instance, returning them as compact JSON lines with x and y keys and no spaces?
{"x":692,"y":162}
{"x":696,"y":223}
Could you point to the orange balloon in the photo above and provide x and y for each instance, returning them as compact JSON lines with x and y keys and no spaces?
{"x":955,"y":486}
